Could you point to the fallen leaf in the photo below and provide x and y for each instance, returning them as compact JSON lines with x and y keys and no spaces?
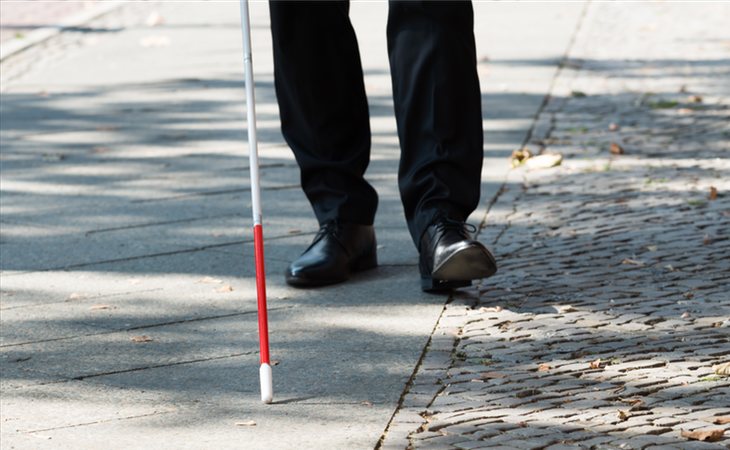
{"x":632,"y":262}
{"x":274,"y":362}
{"x":722,"y":369}
{"x":100,"y":307}
{"x":595,"y":364}
{"x":669,"y":267}
{"x":76,"y":296}
{"x":707,"y":240}
{"x":143,"y":338}
{"x":246,"y":423}
{"x":721,"y":420}
{"x":713,"y":193}
{"x":366,"y":403}
{"x":520,"y":156}
{"x":490,"y":308}
{"x":613,"y":127}
{"x":632,"y":401}
{"x":154,"y":41}
{"x":695,"y":99}
{"x":622,"y":415}
{"x":544,"y":161}
{"x":488,"y":375}
{"x":226,"y":288}
{"x":616,"y":149}
{"x":209,"y":280}
{"x":704,"y":435}
{"x":544,"y":367}
{"x":689,"y":295}
{"x":154,"y":19}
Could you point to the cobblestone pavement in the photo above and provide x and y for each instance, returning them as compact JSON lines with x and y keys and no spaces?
{"x":612,"y":301}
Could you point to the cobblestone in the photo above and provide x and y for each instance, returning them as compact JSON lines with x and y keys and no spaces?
{"x":613,"y":280}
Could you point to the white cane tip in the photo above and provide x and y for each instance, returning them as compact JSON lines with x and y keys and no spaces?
{"x":267,"y":383}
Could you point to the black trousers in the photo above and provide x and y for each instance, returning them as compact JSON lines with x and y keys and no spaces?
{"x":324,"y":110}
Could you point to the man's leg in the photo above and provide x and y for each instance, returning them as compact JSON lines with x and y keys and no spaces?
{"x":325,"y":121}
{"x":438,"y":111}
{"x":323,"y":108}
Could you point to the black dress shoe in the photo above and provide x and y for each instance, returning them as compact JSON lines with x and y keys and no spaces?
{"x":338,"y":250}
{"x":450,"y":258}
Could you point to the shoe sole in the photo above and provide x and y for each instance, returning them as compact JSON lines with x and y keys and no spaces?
{"x":457,"y":271}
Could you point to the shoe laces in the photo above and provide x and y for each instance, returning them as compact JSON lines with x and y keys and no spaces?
{"x":330,"y":228}
{"x":462,"y":228}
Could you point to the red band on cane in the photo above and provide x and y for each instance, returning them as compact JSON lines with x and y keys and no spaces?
{"x":258,"y":243}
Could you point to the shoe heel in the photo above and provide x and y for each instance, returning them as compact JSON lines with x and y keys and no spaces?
{"x":368,"y":261}
{"x":429,"y":284}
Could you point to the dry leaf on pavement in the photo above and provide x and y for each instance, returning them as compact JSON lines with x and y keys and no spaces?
{"x":595,"y":364}
{"x":488,"y":375}
{"x":544,"y":367}
{"x":632,"y":401}
{"x":154,"y":41}
{"x":722,"y":369}
{"x":721,"y":420}
{"x":154,"y":19}
{"x":616,"y":149}
{"x":210,"y":280}
{"x":520,"y":156}
{"x":713,"y":193}
{"x":100,"y":307}
{"x":544,"y":161}
{"x":622,"y":415}
{"x":143,"y":338}
{"x":246,"y":423}
{"x":704,"y":435}
{"x":226,"y":288}
{"x":490,"y":308}
{"x":76,"y":296}
{"x":632,"y":262}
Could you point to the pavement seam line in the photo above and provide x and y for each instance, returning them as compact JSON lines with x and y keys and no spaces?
{"x":409,"y":383}
{"x":144,"y":327}
{"x":157,"y":366}
{"x":116,"y":419}
{"x":154,"y":255}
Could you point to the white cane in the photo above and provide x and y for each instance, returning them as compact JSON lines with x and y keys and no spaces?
{"x":267,"y":386}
